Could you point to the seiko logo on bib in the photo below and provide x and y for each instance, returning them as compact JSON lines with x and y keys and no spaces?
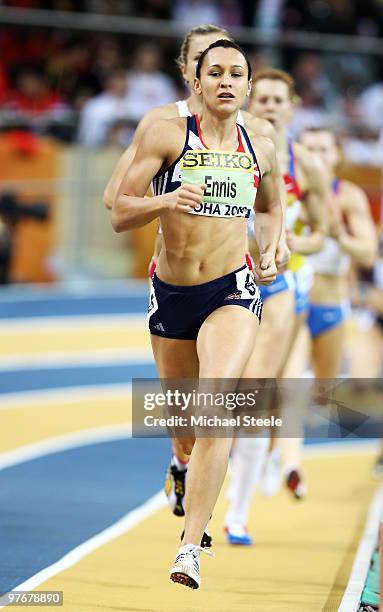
{"x":217,"y":159}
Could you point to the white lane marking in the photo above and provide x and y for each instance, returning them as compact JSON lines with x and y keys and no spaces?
{"x":126,"y":523}
{"x":64,"y":395}
{"x":65,"y":442}
{"x":353,"y":593}
{"x":119,"y":432}
{"x":86,"y":321}
{"x":129,"y":521}
{"x":60,"y":359}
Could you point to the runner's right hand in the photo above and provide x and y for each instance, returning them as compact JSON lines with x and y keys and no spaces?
{"x":186,"y":197}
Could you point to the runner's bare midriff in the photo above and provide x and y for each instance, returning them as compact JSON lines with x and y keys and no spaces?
{"x":328,"y":289}
{"x":200,"y":249}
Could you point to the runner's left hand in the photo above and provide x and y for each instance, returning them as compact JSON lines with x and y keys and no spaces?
{"x":265,"y":272}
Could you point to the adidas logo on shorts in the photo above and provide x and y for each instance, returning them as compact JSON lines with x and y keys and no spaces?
{"x":159,"y":326}
{"x":234,"y":296}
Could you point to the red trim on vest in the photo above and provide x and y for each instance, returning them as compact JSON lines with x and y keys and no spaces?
{"x":240,"y":148}
{"x":250,"y":261}
{"x":152,"y":267}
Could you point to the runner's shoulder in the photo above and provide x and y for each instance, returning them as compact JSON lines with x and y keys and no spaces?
{"x":162,"y":134}
{"x":260,"y":127}
{"x":159,"y":112}
{"x":353,"y":197}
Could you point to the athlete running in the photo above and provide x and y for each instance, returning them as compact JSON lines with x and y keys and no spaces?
{"x":366,"y":360}
{"x":352,"y":238}
{"x":203,"y":296}
{"x":286,"y":300}
{"x":194,"y":43}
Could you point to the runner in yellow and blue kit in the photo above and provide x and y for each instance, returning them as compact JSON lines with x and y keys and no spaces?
{"x":330,"y":262}
{"x":352,"y":237}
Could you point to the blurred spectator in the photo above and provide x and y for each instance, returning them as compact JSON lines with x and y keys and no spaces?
{"x":350,"y":71}
{"x":69,"y":69}
{"x":349,"y":109}
{"x":370,"y":106}
{"x":364,"y":141}
{"x":320,"y":15}
{"x":362,"y":146}
{"x":33,"y":101}
{"x":318,"y":97}
{"x":107,"y":58}
{"x":194,"y":12}
{"x":154,"y":9}
{"x":23,"y":46}
{"x":312,"y":83}
{"x":231,"y":13}
{"x":4,"y":84}
{"x":148,"y":86}
{"x":334,"y":16}
{"x":102,"y":111}
{"x":258,"y":60}
{"x":268,"y":15}
{"x":307,"y":117}
{"x":109,"y":7}
{"x":120,"y":133}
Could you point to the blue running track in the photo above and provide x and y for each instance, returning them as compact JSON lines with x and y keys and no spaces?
{"x":52,"y":504}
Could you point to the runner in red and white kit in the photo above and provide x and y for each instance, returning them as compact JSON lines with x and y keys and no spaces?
{"x":286,"y":300}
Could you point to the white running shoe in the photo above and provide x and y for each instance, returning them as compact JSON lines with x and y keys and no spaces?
{"x":272,"y":474}
{"x":237,"y":534}
{"x":186,"y":566}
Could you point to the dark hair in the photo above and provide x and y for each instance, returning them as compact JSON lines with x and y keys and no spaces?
{"x":226,"y":44}
{"x":200,"y":30}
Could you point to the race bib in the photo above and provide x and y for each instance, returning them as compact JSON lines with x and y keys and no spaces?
{"x":229,"y":179}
